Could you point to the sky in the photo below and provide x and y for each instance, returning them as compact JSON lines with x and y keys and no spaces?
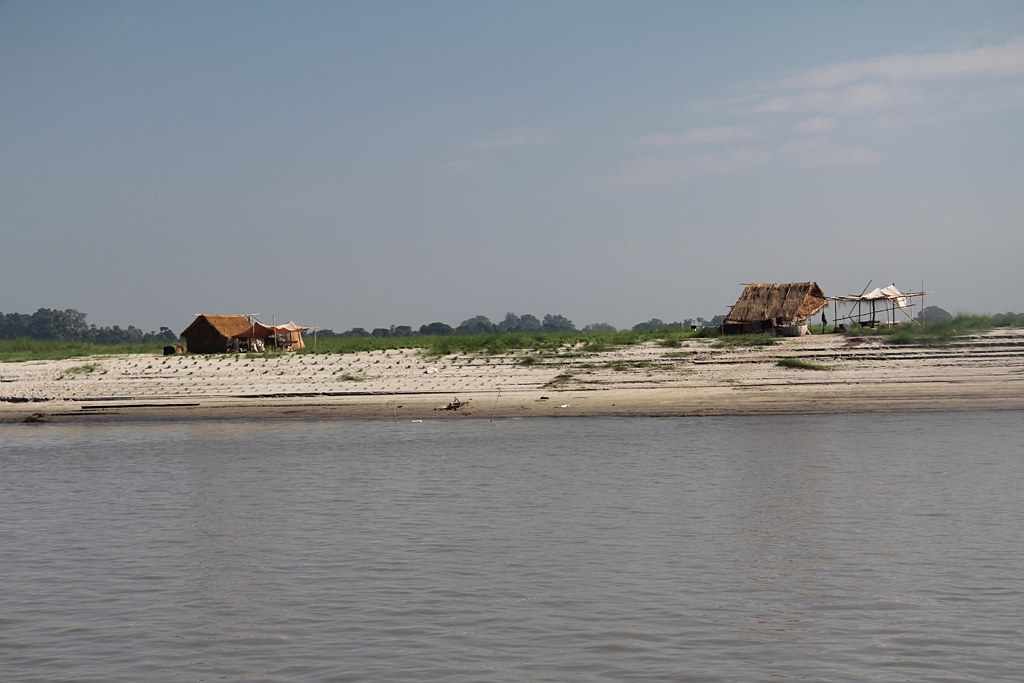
{"x":368,"y":164}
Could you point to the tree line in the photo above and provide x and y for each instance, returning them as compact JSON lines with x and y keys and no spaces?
{"x":480,"y":324}
{"x":70,"y":325}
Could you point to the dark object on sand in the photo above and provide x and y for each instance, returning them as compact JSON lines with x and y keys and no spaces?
{"x":454,"y":405}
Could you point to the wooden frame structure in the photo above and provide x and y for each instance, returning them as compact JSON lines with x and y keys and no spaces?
{"x":888,"y":300}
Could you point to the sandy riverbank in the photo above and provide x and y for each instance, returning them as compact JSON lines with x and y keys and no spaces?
{"x":977,"y":373}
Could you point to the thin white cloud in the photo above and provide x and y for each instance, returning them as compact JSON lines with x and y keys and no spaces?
{"x":701,"y":136}
{"x":853,"y":97}
{"x":515,"y":137}
{"x":989,"y":61}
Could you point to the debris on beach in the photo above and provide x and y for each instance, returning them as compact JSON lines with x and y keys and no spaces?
{"x":456,"y":404}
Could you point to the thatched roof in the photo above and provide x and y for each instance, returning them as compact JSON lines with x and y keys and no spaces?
{"x":229,"y":326}
{"x":792,"y":301}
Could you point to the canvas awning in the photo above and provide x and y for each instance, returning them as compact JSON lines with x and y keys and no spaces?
{"x":290,"y":326}
{"x":889,"y":293}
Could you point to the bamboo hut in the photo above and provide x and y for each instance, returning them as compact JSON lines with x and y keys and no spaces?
{"x":214,"y":333}
{"x":782,"y":308}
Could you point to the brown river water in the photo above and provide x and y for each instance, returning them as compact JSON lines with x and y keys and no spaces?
{"x":818,"y":548}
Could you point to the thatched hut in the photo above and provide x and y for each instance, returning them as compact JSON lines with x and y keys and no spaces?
{"x":214,"y":333}
{"x":783,"y":308}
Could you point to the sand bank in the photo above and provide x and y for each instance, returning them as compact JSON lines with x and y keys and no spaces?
{"x":979,"y":372}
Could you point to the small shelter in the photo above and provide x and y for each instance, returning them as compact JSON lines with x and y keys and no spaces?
{"x":888,"y":300}
{"x":289,"y":335}
{"x":782,"y":308}
{"x":214,"y":333}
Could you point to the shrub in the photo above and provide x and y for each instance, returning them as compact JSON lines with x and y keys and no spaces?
{"x":800,"y":364}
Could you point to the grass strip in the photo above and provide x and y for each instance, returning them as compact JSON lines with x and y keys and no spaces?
{"x":801,"y":364}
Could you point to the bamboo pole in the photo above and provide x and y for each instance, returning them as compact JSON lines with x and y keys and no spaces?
{"x":495,"y":404}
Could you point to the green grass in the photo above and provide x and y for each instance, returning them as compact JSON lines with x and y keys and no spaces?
{"x":482,"y":344}
{"x":349,"y":377}
{"x":801,"y":364}
{"x":503,"y":344}
{"x":544,"y":343}
{"x":941,"y":332}
{"x":16,"y":350}
{"x":82,"y":369}
{"x":735,"y":340}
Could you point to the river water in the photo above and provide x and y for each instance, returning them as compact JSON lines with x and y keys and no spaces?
{"x":823,"y":548}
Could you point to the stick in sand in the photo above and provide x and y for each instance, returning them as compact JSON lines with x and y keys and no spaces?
{"x":495,"y":404}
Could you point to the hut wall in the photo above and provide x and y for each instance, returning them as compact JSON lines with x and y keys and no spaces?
{"x":205,"y":339}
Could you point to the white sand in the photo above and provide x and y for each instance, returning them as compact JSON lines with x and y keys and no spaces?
{"x":979,"y":372}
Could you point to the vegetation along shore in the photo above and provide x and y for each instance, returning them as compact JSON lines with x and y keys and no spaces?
{"x":965,"y":363}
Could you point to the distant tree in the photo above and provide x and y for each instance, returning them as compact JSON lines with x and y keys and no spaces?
{"x":381,"y":332}
{"x":599,"y":327}
{"x":557,"y":323}
{"x":437,"y":329}
{"x":67,"y":325}
{"x":717,"y":320}
{"x":165,"y":335}
{"x":356,"y":332}
{"x":327,"y":333}
{"x":14,"y":325}
{"x":516,"y":323}
{"x":477,"y":325}
{"x":652,"y":324}
{"x":70,"y":325}
{"x":510,"y":323}
{"x":529,"y":323}
{"x":933,"y":314}
{"x":401,"y":331}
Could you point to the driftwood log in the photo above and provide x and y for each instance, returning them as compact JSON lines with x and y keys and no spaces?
{"x":454,"y":405}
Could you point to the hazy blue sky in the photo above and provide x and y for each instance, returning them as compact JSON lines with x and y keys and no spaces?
{"x":377,"y":163}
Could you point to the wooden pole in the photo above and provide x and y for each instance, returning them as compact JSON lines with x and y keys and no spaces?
{"x":495,"y":404}
{"x":273,"y":321}
{"x":314,"y":332}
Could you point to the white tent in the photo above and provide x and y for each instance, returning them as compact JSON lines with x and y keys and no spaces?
{"x":889,"y":293}
{"x":890,"y":299}
{"x":292,"y":332}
